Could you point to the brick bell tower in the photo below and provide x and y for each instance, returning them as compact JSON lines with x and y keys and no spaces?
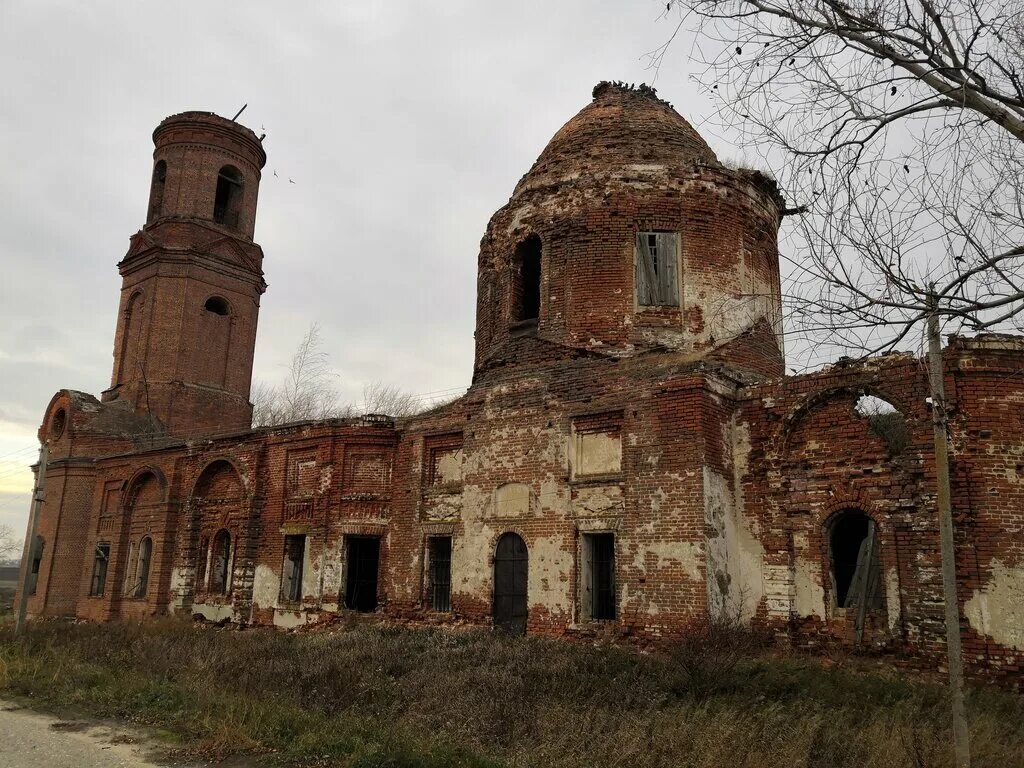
{"x":192,"y":281}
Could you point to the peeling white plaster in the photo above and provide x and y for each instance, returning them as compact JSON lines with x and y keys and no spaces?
{"x":213,"y":611}
{"x":266,"y":585}
{"x":892,"y":598}
{"x":808,"y":597}
{"x":997,"y":610}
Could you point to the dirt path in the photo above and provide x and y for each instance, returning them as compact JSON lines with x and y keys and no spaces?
{"x":32,"y":740}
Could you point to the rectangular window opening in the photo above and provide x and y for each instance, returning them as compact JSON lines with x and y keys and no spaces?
{"x":657,"y":278}
{"x":439,"y":584}
{"x":291,"y":579}
{"x":99,"y":570}
{"x":598,"y":576}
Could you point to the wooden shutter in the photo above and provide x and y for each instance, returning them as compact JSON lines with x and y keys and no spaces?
{"x":646,"y":277}
{"x":668,"y":281}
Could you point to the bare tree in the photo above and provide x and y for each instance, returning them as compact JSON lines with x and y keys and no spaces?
{"x":898,"y":130}
{"x":308,"y":392}
{"x":10,"y":545}
{"x":390,"y":400}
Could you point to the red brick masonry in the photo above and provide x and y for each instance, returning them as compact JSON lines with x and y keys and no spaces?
{"x":728,"y":487}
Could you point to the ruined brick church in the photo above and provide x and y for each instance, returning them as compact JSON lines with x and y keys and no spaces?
{"x":629,"y":460}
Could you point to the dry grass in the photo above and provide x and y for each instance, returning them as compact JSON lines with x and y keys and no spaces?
{"x":369,"y":696}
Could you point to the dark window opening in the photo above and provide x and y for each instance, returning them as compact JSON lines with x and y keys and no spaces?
{"x":201,"y":557}
{"x":291,"y":582}
{"x":227,"y":202}
{"x":440,"y":582}
{"x":60,"y":421}
{"x":599,"y":576}
{"x":156,"y":191}
{"x":511,"y":584}
{"x":217,"y":305}
{"x":526,"y":281}
{"x":34,"y":565}
{"x":142,"y":567}
{"x":361,"y":577}
{"x":220,"y":577}
{"x":856,"y":570}
{"x":657,"y":281}
{"x":99,"y":570}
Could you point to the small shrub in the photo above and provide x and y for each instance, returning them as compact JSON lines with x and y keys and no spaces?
{"x":705,"y":661}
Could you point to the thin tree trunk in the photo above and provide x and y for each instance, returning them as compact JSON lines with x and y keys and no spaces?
{"x":961,"y":736}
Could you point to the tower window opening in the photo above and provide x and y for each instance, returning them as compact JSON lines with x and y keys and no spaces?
{"x":856,"y":570}
{"x":217,"y":305}
{"x":657,"y":270}
{"x":156,"y":191}
{"x":526,"y":281}
{"x":227,"y":202}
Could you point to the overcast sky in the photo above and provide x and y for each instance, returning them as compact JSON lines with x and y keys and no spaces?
{"x":404,"y":125}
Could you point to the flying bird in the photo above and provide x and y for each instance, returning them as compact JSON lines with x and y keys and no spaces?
{"x":290,"y":181}
{"x":275,"y":174}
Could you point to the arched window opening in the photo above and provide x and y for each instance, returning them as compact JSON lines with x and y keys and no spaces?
{"x":526,"y":281}
{"x":855,"y":565}
{"x":227,"y":201}
{"x":220,"y":578}
{"x":886,"y":422}
{"x":142,"y":567}
{"x":156,"y":191}
{"x":217,"y":305}
{"x":57,"y":424}
{"x":37,"y":560}
{"x":128,"y":586}
{"x":201,"y":557}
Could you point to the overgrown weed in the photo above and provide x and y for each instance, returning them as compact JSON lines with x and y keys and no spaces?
{"x":385,"y":696}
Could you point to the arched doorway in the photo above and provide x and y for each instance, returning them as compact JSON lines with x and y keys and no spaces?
{"x":855,"y":569}
{"x":511,"y":567}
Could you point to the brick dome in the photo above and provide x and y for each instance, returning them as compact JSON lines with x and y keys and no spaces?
{"x":624,"y":130}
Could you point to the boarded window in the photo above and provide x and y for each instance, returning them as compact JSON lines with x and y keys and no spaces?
{"x":596,"y":448}
{"x":657,"y":258}
{"x":220,"y":578}
{"x":34,"y":565}
{"x":291,"y":581}
{"x":101,"y":559}
{"x":445,"y":465}
{"x":367,"y":469}
{"x":439,"y":585}
{"x":227,"y":202}
{"x":302,"y":475}
{"x":598,"y":576}
{"x":142,"y":567}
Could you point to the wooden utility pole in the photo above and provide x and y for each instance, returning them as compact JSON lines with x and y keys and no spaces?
{"x":28,"y":552}
{"x":961,"y":736}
